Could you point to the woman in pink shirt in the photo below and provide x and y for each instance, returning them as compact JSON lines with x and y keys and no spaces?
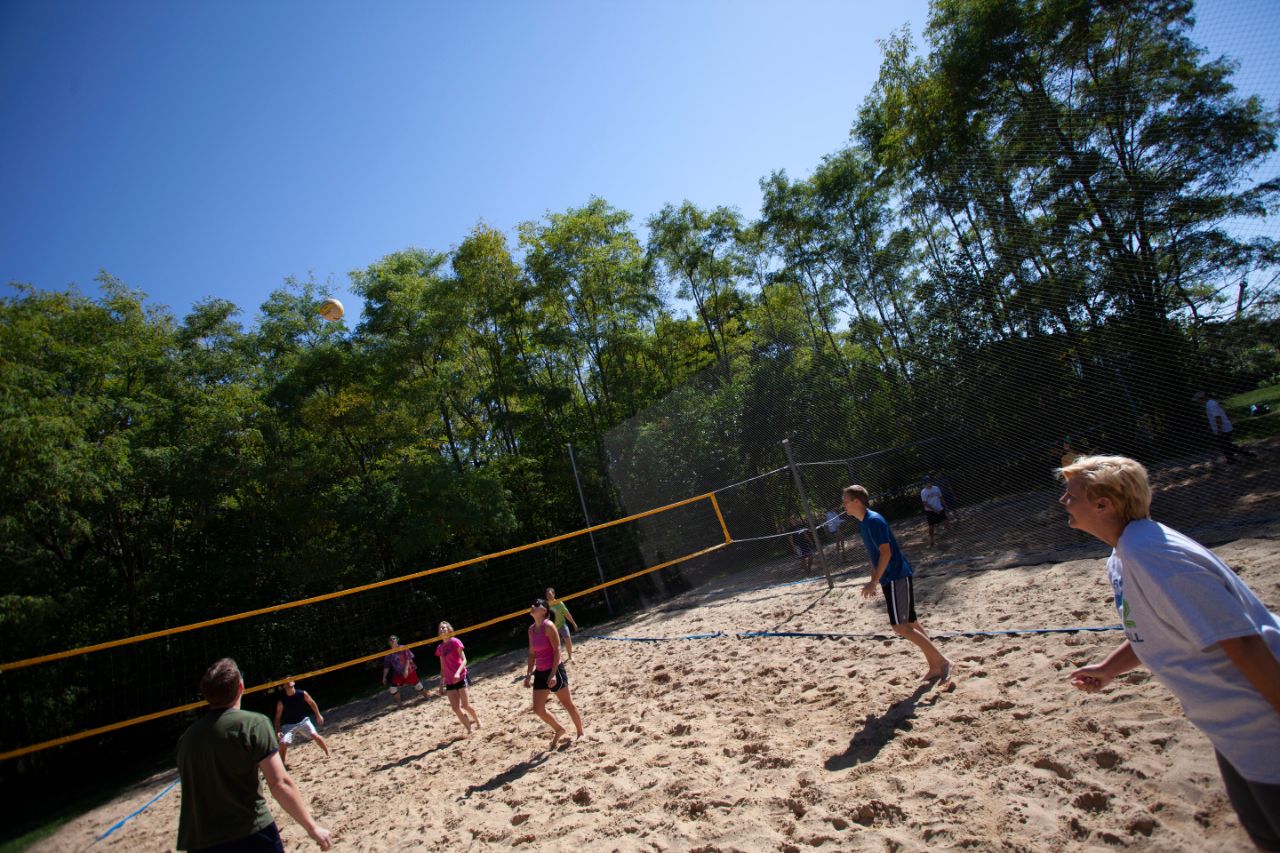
{"x":453,"y":677}
{"x":547,"y":671}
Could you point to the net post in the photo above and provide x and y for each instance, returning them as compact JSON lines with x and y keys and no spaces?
{"x":715,"y":504}
{"x":594,"y":551}
{"x":808,"y":516}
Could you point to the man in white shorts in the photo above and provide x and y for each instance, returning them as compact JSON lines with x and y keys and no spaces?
{"x":293,"y":723}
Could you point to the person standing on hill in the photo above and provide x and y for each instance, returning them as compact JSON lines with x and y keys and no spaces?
{"x":1190,"y":620}
{"x":294,"y":723}
{"x":1220,"y":426}
{"x":562,"y":618}
{"x":219,"y":759}
{"x":891,"y":573}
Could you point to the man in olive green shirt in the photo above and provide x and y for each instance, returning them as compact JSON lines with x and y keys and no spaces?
{"x":219,"y":757}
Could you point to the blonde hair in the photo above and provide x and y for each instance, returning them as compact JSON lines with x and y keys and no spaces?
{"x":858,"y":493}
{"x":448,"y":628}
{"x":1120,"y":479}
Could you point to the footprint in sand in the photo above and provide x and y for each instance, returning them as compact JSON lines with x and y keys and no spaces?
{"x":1105,"y":758}
{"x":1093,"y":801}
{"x":1061,"y":770}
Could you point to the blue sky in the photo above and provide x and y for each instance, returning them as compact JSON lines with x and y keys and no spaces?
{"x":212,"y":149}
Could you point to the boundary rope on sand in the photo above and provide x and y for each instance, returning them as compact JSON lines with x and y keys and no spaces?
{"x":659,"y":639}
{"x":829,"y":635}
{"x":130,"y":817}
{"x":941,"y":635}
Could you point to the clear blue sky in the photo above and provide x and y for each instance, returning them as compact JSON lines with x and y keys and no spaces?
{"x":214,"y":148}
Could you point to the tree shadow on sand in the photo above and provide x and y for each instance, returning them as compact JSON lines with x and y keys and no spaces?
{"x":507,"y":776}
{"x":877,"y":731}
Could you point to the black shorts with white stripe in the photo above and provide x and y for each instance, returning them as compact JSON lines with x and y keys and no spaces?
{"x":900,"y":596}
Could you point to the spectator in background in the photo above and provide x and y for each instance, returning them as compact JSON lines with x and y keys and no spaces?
{"x":935,"y":511}
{"x":832,"y":525}
{"x":801,"y":542}
{"x":1220,"y":426}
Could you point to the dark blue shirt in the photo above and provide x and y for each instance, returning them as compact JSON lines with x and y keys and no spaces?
{"x":876,"y":532}
{"x":295,"y":707}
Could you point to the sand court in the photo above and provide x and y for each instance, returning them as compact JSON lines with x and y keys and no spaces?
{"x":782,"y":743}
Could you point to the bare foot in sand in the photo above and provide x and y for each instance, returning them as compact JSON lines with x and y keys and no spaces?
{"x":555,"y":739}
{"x":941,"y":676}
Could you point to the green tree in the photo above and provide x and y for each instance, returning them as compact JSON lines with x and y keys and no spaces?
{"x":700,"y":251}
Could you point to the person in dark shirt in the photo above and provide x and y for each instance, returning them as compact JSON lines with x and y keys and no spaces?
{"x":219,"y":758}
{"x":297,"y":716}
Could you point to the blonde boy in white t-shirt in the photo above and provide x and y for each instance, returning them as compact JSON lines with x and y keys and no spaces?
{"x":1190,"y":620}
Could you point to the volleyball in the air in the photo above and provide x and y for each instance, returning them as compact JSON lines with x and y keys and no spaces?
{"x":331,"y":310}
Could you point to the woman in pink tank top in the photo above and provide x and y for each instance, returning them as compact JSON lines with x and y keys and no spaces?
{"x":453,"y":676}
{"x":547,"y":672}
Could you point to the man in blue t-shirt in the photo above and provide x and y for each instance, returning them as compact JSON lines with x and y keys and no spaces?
{"x":1190,"y":620}
{"x":891,"y":573}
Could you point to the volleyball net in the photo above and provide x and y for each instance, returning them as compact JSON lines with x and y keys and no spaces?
{"x":68,"y":695}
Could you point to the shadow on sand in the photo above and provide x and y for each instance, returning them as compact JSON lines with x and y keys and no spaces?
{"x":409,"y":759}
{"x":877,"y":731}
{"x":507,"y":776}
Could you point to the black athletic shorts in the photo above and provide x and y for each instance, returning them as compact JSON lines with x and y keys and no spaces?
{"x":540,"y":677}
{"x":263,"y":841}
{"x":459,"y":685}
{"x":900,"y":597}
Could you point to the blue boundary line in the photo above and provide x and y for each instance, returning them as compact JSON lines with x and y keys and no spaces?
{"x":660,"y":639}
{"x":130,"y":817}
